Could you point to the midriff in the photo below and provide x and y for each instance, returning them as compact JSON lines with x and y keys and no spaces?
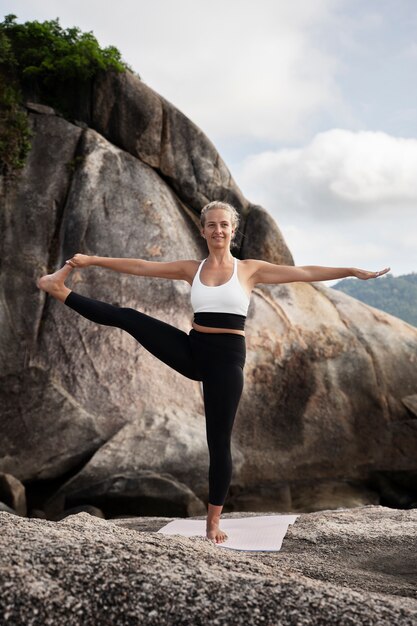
{"x":209,"y":329}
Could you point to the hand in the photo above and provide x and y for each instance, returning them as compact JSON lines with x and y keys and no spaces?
{"x":80,"y":260}
{"x":365,"y":275}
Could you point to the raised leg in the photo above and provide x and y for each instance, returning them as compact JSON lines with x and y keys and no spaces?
{"x":169,"y":344}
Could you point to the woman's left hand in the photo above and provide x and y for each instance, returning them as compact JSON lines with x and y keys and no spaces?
{"x":365,"y":275}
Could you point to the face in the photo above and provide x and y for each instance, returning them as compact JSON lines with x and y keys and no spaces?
{"x":218,"y":230}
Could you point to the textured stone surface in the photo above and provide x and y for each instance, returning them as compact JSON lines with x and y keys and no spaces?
{"x":326,"y":375}
{"x":12,"y":491}
{"x":260,"y":238}
{"x":71,"y":405}
{"x":411,"y":403}
{"x":136,"y":118}
{"x":8,"y":509}
{"x":129,"y":491}
{"x":335,"y":568}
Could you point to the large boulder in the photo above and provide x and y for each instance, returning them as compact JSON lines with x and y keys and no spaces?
{"x":132,"y":116}
{"x":334,"y":568}
{"x":54,"y":418}
{"x":325,"y":390}
{"x":329,"y":381}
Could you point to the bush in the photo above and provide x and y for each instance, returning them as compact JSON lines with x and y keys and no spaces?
{"x":45,"y":62}
{"x":45,"y":52}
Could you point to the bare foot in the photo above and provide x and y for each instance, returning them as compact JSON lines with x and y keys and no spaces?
{"x":54,"y":283}
{"x":217,"y":535}
{"x":214,"y":533}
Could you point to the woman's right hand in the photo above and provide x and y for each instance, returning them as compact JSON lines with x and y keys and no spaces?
{"x":80,"y":260}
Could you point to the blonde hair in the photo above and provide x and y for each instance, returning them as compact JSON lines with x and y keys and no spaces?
{"x":216,"y":204}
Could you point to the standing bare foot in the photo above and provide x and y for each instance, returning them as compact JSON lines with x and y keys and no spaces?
{"x":214,"y":533}
{"x":54,"y":283}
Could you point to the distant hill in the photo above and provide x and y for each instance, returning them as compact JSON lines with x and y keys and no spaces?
{"x":396,"y":295}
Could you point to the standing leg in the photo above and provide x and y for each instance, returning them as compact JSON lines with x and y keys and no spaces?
{"x":222,"y":392}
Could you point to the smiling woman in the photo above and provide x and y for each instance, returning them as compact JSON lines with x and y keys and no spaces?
{"x":214,"y":350}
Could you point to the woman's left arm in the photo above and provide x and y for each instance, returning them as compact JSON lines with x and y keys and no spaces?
{"x":271,"y":273}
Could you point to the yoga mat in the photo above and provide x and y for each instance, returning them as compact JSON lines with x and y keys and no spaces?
{"x":258,"y":533}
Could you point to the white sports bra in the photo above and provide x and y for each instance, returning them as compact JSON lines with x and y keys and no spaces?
{"x":229,"y":297}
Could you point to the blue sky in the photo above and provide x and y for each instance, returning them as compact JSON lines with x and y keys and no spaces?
{"x":311,"y":103}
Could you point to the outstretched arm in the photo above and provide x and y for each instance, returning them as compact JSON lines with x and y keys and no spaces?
{"x":271,"y":273}
{"x":181,"y":270}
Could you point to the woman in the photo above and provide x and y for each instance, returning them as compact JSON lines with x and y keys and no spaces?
{"x":214,"y":350}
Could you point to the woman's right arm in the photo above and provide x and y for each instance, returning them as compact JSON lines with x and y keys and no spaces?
{"x":180,"y":270}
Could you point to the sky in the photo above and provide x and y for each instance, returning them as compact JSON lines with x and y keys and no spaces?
{"x":312,"y":104}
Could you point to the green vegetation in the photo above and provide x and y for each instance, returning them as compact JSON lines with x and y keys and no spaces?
{"x":394,"y":295}
{"x":46,"y":63}
{"x":14,"y":129}
{"x":46,"y":53}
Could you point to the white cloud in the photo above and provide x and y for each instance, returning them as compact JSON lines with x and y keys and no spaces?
{"x":345,"y":199}
{"x":373,"y":245}
{"x":340,"y":175}
{"x":246,"y":69}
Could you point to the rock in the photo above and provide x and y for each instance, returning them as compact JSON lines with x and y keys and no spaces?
{"x":141,"y":492}
{"x":69,"y":423}
{"x":411,"y":403}
{"x":13,"y":492}
{"x":330,"y":494}
{"x":85,"y":508}
{"x":340,"y":567}
{"x":137,"y":119}
{"x":330,"y":389}
{"x":7,"y":509}
{"x":43,"y":109}
{"x":306,"y":495}
{"x":159,"y":489}
{"x":398,"y":489}
{"x":260,"y":239}
{"x":38,"y":513}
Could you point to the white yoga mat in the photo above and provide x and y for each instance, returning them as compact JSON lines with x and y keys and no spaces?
{"x":258,"y":533}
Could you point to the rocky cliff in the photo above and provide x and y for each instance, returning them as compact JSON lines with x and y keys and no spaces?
{"x":328,"y":415}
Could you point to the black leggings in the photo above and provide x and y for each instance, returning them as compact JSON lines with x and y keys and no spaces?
{"x":216,"y":359}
